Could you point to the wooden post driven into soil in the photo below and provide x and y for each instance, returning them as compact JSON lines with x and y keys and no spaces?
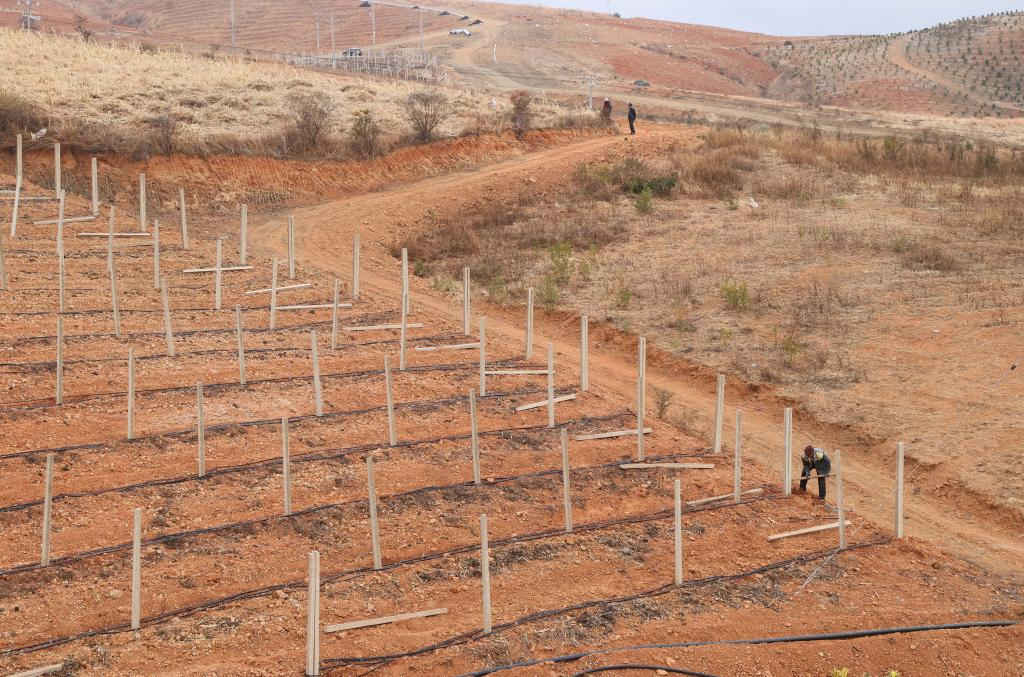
{"x":3,"y":268}
{"x":291,"y":247}
{"x":787,"y":452}
{"x":334,"y":314}
{"x":719,"y":413}
{"x":529,"y":323}
{"x":95,"y":185}
{"x":466,"y":300}
{"x":839,"y":500}
{"x":142,"y":203}
{"x":899,"y":491}
{"x":355,"y":267}
{"x":584,"y":354}
{"x":474,"y":436}
{"x":318,"y":387}
{"x":110,"y":239}
{"x":17,"y":189}
{"x":483,"y":356}
{"x":392,"y":436}
{"x":200,"y":430}
{"x":168,"y":330}
{"x":218,"y":274}
{"x":60,"y":252}
{"x":241,"y":344}
{"x":405,"y":280}
{"x":243,"y":237}
{"x":737,"y":458}
{"x":485,"y":573}
{"x":60,"y":360}
{"x":286,"y":466}
{"x":114,"y":301}
{"x":374,"y":526}
{"x":641,"y":397}
{"x":566,"y":495}
{"x":551,"y":385}
{"x":131,"y":393}
{"x":678,"y":529}
{"x":273,"y":293}
{"x":56,"y":170}
{"x":313,"y":616}
{"x":184,"y":218}
{"x":136,"y":568}
{"x":47,"y":510}
{"x":156,"y":254}
{"x":403,"y":329}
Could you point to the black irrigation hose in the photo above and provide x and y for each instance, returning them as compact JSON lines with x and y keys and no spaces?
{"x":262,"y":521}
{"x":349,"y":574}
{"x":30,"y":367}
{"x":475,"y":635}
{"x":639,"y":666}
{"x":327,"y":454}
{"x":29,"y":405}
{"x":255,"y":423}
{"x":824,"y":637}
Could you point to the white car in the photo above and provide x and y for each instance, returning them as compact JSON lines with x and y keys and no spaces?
{"x":460,"y":31}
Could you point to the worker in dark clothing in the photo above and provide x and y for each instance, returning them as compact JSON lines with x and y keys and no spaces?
{"x":815,"y":459}
{"x":632,"y":119}
{"x":606,"y":111}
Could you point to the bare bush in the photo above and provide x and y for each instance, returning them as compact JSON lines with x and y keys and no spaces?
{"x":18,"y":115}
{"x":425,"y":111}
{"x":164,"y":130}
{"x":521,"y":112}
{"x":312,"y":121}
{"x":364,"y":135}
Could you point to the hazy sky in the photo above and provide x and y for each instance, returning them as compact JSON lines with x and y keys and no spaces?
{"x":796,"y":17}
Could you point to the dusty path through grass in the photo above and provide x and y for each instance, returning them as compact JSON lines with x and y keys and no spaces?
{"x":324,"y":239}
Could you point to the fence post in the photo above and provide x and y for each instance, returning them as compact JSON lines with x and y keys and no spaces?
{"x":156,"y":254}
{"x":318,"y":388}
{"x":641,"y":397}
{"x":551,"y":385}
{"x":56,"y":169}
{"x":241,"y":344}
{"x":355,"y":267}
{"x":291,"y":247}
{"x":3,"y":268}
{"x":737,"y":458}
{"x":60,"y":254}
{"x":136,"y":568}
{"x":243,"y":245}
{"x":403,"y":331}
{"x":168,"y":332}
{"x":131,"y":393}
{"x":529,"y":323}
{"x":585,"y":354}
{"x":899,"y":491}
{"x":200,"y":430}
{"x":60,"y":360}
{"x":142,"y":203}
{"x":286,"y":466}
{"x":95,"y":184}
{"x":110,"y":238}
{"x":485,"y":573}
{"x":374,"y":526}
{"x":405,"y":279}
{"x":719,"y":413}
{"x":839,"y":501}
{"x":389,"y":396}
{"x":787,"y":452}
{"x":474,"y":437}
{"x":273,"y":294}
{"x":566,"y":495}
{"x":217,"y":294}
{"x":334,"y":314}
{"x":313,"y":617}
{"x":184,"y":219}
{"x":679,"y":531}
{"x":114,"y":302}
{"x":483,"y":356}
{"x":47,"y":509}
{"x":466,"y":302}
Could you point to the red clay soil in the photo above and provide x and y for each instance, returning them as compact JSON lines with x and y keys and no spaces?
{"x":247,"y":571}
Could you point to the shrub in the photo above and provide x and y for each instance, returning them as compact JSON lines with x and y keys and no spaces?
{"x":18,"y":115}
{"x":921,"y":256}
{"x":164,"y":129}
{"x":312,"y":120}
{"x":521,"y":112}
{"x":644,"y":201}
{"x":736,"y":295}
{"x":364,"y":135}
{"x":662,"y":401}
{"x":425,"y":111}
{"x":561,"y":262}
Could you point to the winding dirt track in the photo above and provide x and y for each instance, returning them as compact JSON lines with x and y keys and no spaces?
{"x":324,"y":235}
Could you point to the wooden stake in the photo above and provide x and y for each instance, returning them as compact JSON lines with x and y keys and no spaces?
{"x":641,"y":397}
{"x":392,"y":436}
{"x":110,"y":239}
{"x":114,"y":302}
{"x":899,"y":491}
{"x":168,"y":331}
{"x":3,"y":268}
{"x":483,"y":356}
{"x":453,"y":346}
{"x":286,"y":287}
{"x":374,"y":527}
{"x":405,"y":279}
{"x":334,"y":314}
{"x":291,"y":247}
{"x":60,"y":251}
{"x":201,"y":430}
{"x":142,"y":203}
{"x":787,"y":452}
{"x":485,"y":573}
{"x":617,"y":433}
{"x":218,"y":275}
{"x":47,"y":509}
{"x":241,"y":344}
{"x":313,"y":616}
{"x":243,"y":244}
{"x":131,"y":393}
{"x":318,"y":388}
{"x":56,"y":169}
{"x":273,"y":294}
{"x":719,"y":413}
{"x":287,"y":467}
{"x":566,"y":496}
{"x":839,"y":500}
{"x":355,"y":267}
{"x":584,"y":354}
{"x":544,"y":403}
{"x":807,"y":530}
{"x":670,"y":466}
{"x":156,"y":254}
{"x":184,"y":218}
{"x":713,"y":499}
{"x":95,"y":187}
{"x":18,"y":158}
{"x":60,"y":360}
{"x":40,"y":671}
{"x":737,"y":458}
{"x":551,"y":385}
{"x":384,"y":620}
{"x":403,"y":330}
{"x":466,"y":300}
{"x":136,"y":568}
{"x":474,"y":437}
{"x":529,"y":323}
{"x":679,"y":531}
{"x":17,"y":200}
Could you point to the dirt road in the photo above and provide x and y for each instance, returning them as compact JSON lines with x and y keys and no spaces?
{"x":324,"y":235}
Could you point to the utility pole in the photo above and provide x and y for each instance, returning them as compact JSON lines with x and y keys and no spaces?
{"x":316,"y":20}
{"x":590,"y":103}
{"x":232,"y":23}
{"x":421,"y":29}
{"x":373,"y":23}
{"x":334,"y":48}
{"x":495,"y":52}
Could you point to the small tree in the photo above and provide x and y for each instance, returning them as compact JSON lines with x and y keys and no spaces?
{"x":426,"y":110}
{"x":312,"y":119}
{"x":521,"y":112}
{"x":364,"y":135}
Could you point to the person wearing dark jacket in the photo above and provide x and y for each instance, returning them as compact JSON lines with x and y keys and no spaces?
{"x":815,"y":459}
{"x":606,"y":111}
{"x":631,"y":116}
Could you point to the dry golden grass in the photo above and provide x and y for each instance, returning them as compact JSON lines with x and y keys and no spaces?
{"x":107,"y":97}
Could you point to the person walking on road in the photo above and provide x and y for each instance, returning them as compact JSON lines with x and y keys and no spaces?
{"x":632,"y":119}
{"x":815,"y":459}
